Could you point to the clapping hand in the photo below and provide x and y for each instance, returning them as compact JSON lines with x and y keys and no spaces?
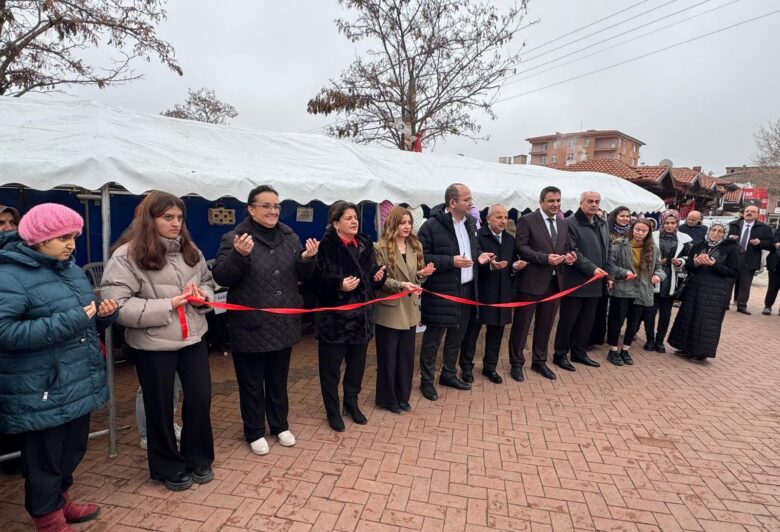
{"x":498,"y":264}
{"x":485,"y":257}
{"x":570,"y":258}
{"x":519,"y":265}
{"x":655,"y":280}
{"x":90,"y":309}
{"x":428,"y":270}
{"x":380,"y":273}
{"x":554,"y":259}
{"x":406,"y":287}
{"x":107,"y":307}
{"x":349,"y":283}
{"x":676,"y":263}
{"x":460,"y":261}
{"x":193,"y":291}
{"x":630,"y":276}
{"x":755,"y":242}
{"x":243,"y":244}
{"x":312,"y":247}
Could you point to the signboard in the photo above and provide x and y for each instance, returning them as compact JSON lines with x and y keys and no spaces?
{"x":304,"y":214}
{"x":758,"y":197}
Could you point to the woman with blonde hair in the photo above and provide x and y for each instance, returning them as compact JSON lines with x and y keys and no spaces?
{"x":400,"y":251}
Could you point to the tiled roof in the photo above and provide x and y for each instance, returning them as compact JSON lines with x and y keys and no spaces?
{"x":733,"y":196}
{"x":684,"y":175}
{"x":708,"y":182}
{"x":616,"y":168}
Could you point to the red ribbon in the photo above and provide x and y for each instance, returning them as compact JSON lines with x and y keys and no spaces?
{"x":399,"y":295}
{"x":185,"y":330}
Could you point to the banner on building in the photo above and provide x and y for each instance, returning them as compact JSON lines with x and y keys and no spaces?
{"x":758,"y":197}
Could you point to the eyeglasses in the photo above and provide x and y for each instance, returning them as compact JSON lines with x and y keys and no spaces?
{"x":268,"y":206}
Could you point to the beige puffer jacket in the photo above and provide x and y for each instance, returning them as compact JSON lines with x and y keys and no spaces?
{"x":144,"y":298}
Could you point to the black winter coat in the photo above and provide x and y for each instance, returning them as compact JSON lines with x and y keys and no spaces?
{"x":696,"y":329}
{"x":268,"y":277}
{"x":773,"y":259}
{"x":591,"y":242}
{"x":495,"y":286}
{"x":440,"y":245}
{"x":761,"y":231}
{"x":334,"y":263}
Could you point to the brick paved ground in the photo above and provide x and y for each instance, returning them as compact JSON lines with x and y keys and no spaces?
{"x":664,"y":445}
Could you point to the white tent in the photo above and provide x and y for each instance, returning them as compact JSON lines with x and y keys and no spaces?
{"x":47,"y":142}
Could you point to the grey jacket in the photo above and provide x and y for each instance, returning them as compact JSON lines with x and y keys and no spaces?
{"x":621,"y":261}
{"x":144,"y":298}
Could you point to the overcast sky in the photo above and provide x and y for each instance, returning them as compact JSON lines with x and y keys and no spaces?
{"x":696,"y":104}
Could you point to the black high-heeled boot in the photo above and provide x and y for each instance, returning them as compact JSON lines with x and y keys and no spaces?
{"x":357,"y":416}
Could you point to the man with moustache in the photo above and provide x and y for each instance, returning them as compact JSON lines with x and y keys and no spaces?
{"x":449,"y":240}
{"x":752,"y":236}
{"x":588,"y":235}
{"x":542,"y":241}
{"x":495,"y":286}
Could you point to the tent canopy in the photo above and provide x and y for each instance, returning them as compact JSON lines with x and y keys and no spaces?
{"x":46,"y":142}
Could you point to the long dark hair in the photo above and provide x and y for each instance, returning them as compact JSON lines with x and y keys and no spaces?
{"x":145,"y":247}
{"x":612,"y":220}
{"x":646,"y":260}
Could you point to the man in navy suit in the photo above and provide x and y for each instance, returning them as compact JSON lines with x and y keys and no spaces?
{"x":542,"y":240}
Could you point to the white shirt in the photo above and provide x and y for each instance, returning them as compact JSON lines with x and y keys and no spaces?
{"x":464,"y":247}
{"x":546,"y":223}
{"x":746,"y":227}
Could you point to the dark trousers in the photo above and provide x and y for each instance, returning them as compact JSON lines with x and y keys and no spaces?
{"x":156,"y":371}
{"x":662,"y":306}
{"x":49,"y":458}
{"x":262,"y":391}
{"x":575,"y":325}
{"x":468,"y":347}
{"x":599,"y":322}
{"x":543,"y":322}
{"x":744,"y":281}
{"x":773,"y":288}
{"x":10,"y":443}
{"x":394,"y":365}
{"x":330,"y":358}
{"x":432,"y":339}
{"x":620,"y":310}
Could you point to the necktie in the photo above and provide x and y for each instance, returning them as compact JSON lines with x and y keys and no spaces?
{"x":553,"y":232}
{"x":743,"y":242}
{"x":498,"y":237}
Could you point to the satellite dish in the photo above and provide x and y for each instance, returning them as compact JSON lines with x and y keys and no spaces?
{"x":666,"y":162}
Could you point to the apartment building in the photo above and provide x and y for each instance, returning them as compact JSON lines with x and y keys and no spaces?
{"x":563,"y":149}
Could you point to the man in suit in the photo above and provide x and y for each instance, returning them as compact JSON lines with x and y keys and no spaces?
{"x":449,"y":240}
{"x":542,"y":241}
{"x":693,"y":227}
{"x":588,"y":235}
{"x":495,"y":286}
{"x":752,"y":237}
{"x":773,"y":267}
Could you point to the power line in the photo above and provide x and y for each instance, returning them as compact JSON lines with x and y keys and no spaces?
{"x":640,"y":56}
{"x":600,"y":31}
{"x":576,"y":59}
{"x":585,"y":26}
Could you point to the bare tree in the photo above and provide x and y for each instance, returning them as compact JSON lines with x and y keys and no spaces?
{"x":204,"y":106}
{"x":433,"y":62}
{"x":768,"y":144}
{"x":41,"y":42}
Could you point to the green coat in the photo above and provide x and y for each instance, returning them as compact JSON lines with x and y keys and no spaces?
{"x":51,"y":367}
{"x":621,"y":261}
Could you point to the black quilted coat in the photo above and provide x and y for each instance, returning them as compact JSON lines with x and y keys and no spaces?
{"x":697,"y":327}
{"x":268,"y":277}
{"x":440,"y":245}
{"x":334,"y":263}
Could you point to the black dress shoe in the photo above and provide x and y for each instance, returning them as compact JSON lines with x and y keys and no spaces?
{"x":544,"y":371}
{"x":454,"y":382}
{"x":585,"y":360}
{"x":492,"y":376}
{"x":336,"y":423}
{"x":659,"y":348}
{"x":179,"y":482}
{"x":355,"y":413}
{"x":649,"y":345}
{"x":681,"y":353}
{"x":614,"y":357}
{"x":627,"y":360}
{"x":517,"y":374}
{"x":744,"y":311}
{"x":428,"y":391}
{"x":467,"y":377}
{"x":395,"y":409}
{"x":202,"y":474}
{"x":563,"y":362}
{"x":406,"y":407}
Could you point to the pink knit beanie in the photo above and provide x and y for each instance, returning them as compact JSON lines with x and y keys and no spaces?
{"x":49,"y":220}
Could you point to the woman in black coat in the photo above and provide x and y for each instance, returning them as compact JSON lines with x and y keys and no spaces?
{"x":711,"y":266}
{"x":346,"y":272}
{"x":261,"y":262}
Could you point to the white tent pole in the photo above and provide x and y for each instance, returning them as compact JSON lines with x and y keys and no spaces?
{"x":105,"y":214}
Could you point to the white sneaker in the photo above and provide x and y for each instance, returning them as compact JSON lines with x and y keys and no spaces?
{"x":260,"y":447}
{"x":177,"y":430}
{"x":286,"y":438}
{"x":143,"y":443}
